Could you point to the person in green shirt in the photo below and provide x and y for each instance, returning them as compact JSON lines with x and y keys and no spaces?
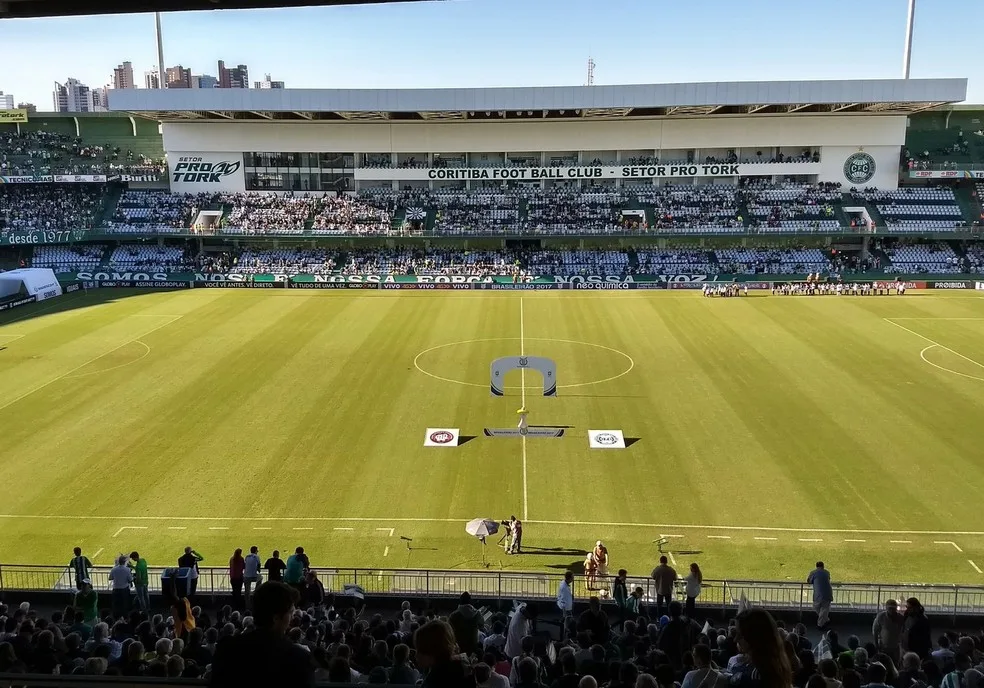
{"x":297,"y":563}
{"x":141,"y":581}
{"x":87,"y":601}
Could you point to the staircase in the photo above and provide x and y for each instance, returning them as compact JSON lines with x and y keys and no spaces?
{"x":969,"y":200}
{"x":397,"y":220}
{"x":112,"y":198}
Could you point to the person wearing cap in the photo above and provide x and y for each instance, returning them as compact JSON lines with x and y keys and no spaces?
{"x":87,"y":601}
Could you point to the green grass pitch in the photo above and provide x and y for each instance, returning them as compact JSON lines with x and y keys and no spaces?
{"x":772,"y":431}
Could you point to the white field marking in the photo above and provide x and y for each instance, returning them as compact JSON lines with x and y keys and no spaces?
{"x":935,"y":343}
{"x":592,"y":524}
{"x":343,"y":529}
{"x":12,"y":337}
{"x":766,"y":538}
{"x":948,"y":542}
{"x":672,"y":558}
{"x":922,"y":355}
{"x":522,"y":382}
{"x":146,"y":353}
{"x":719,"y":537}
{"x":811,"y":539}
{"x":261,"y":528}
{"x":219,"y":528}
{"x":79,"y":367}
{"x":386,"y":551}
{"x":122,"y":528}
{"x":855,"y":540}
{"x":391,"y":530}
{"x":976,"y":567}
{"x":531,"y":339}
{"x":98,"y":552}
{"x":676,"y":536}
{"x":901,"y":542}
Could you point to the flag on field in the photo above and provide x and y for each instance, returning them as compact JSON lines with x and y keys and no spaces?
{"x":416,"y":214}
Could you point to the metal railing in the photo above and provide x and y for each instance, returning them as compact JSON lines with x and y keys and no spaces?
{"x":726,"y":595}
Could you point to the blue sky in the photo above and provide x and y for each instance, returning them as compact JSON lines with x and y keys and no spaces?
{"x":459,"y":43}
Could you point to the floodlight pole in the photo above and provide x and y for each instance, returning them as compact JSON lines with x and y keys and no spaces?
{"x":907,"y":58}
{"x":161,"y":82}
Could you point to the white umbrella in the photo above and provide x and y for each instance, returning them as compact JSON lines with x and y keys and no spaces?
{"x":482,"y":527}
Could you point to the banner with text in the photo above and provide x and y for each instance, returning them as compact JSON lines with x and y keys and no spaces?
{"x":586,"y":172}
{"x":13,"y":116}
{"x":946,"y":174}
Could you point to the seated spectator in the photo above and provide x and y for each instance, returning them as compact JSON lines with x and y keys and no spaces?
{"x":437,"y":657}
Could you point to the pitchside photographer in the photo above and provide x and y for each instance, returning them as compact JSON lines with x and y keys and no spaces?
{"x":512,"y":538}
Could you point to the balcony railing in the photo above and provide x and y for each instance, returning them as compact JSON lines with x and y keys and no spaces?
{"x":725,"y":595}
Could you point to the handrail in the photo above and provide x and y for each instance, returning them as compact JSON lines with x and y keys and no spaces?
{"x":796,"y":596}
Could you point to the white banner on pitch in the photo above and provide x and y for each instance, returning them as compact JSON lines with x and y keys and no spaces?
{"x":441,"y":437}
{"x":606,"y":439}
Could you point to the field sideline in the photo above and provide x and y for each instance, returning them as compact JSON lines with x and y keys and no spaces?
{"x":771,"y":431}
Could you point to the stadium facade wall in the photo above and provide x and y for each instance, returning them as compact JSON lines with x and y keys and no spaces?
{"x":838,"y":137}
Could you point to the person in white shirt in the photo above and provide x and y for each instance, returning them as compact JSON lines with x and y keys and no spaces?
{"x":519,"y":627}
{"x":694,"y":580}
{"x":121,"y":578}
{"x":251,"y":573}
{"x":565,"y":598}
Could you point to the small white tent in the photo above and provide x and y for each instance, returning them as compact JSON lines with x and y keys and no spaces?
{"x":38,"y":282}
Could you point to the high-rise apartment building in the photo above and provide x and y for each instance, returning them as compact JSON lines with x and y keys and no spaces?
{"x":72,"y":96}
{"x":6,"y":101}
{"x":123,"y":76}
{"x":178,"y":77}
{"x":152,"y":79}
{"x":233,"y":77}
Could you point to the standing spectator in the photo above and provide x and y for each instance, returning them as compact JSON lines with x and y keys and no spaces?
{"x":264,"y":657}
{"x":677,"y":636}
{"x":633,"y":603}
{"x":251,"y":575}
{"x":823,"y":594}
{"x":189,"y":560}
{"x":121,"y":578}
{"x":141,"y":581}
{"x":296,"y":565}
{"x":704,"y":674}
{"x":87,"y":601}
{"x":694,"y":581}
{"x":314,"y":589}
{"x":237,"y":572}
{"x":184,"y":619}
{"x":565,"y":598}
{"x":600,"y":554}
{"x":520,"y":626}
{"x":485,"y":677}
{"x":763,"y":662}
{"x":466,"y":622}
{"x":275,"y":566}
{"x":436,"y":650}
{"x":81,"y":566}
{"x":887,"y":630}
{"x":916,"y":629}
{"x":620,"y":593}
{"x":665,"y":576}
{"x":517,"y":536}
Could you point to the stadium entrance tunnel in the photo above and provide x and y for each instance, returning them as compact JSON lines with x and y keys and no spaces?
{"x":579,"y":364}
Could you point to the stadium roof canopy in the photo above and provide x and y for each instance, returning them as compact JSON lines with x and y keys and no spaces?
{"x":58,"y":8}
{"x":883,"y":96}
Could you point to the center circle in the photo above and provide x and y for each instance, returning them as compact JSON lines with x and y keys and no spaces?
{"x":630,"y":363}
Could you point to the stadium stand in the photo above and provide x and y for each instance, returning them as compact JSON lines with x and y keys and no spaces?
{"x":625,"y":643}
{"x":256,"y":213}
{"x":927,"y":258}
{"x":752,"y":261}
{"x":69,"y":258}
{"x":54,"y":207}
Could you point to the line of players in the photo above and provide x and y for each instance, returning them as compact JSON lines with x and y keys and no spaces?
{"x":838,"y":289}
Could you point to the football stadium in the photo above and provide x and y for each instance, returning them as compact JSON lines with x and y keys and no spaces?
{"x":475,"y":339}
